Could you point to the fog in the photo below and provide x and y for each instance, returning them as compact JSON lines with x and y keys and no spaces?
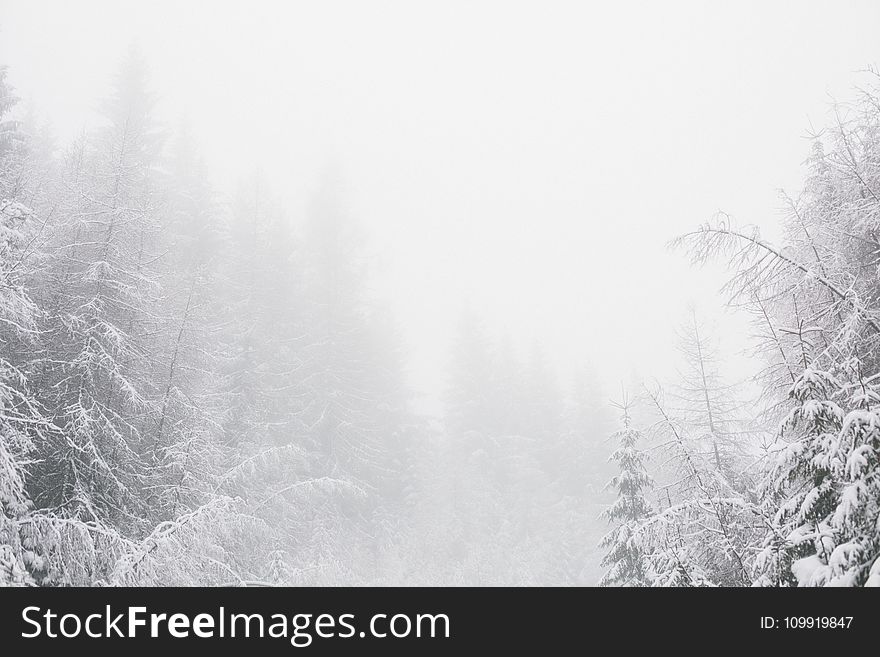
{"x":522,"y":164}
{"x":518,"y":157}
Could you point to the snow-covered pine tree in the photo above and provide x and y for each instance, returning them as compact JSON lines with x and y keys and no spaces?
{"x":820,"y":317}
{"x":624,"y":558}
{"x":20,"y":420}
{"x":98,"y":290}
{"x":23,"y":428}
{"x":354,"y":410}
{"x":500,"y":485}
{"x":346,"y":413}
{"x":823,"y":488}
{"x":855,"y":559}
{"x":263,"y":340}
{"x":263,"y":388}
{"x":802,"y":487}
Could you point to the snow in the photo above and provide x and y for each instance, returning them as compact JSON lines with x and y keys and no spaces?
{"x":810,"y":571}
{"x":874,"y":574}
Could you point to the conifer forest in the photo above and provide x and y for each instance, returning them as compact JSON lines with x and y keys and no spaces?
{"x":407,"y":316}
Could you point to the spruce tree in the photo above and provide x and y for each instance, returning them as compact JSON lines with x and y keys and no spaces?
{"x":624,"y":558}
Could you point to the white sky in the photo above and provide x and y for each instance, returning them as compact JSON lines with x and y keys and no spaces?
{"x":533,"y":158}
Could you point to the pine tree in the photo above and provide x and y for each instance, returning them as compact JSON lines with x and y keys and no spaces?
{"x":264,"y":386}
{"x":856,"y":517}
{"x":823,"y":488}
{"x":346,"y":391}
{"x":21,"y":423}
{"x":23,"y":427}
{"x":820,"y":331}
{"x":803,"y":487}
{"x":99,"y":292}
{"x":624,"y":558}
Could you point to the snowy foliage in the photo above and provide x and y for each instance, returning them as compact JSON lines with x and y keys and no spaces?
{"x":197,"y":387}
{"x":815,"y":302}
{"x":624,"y":557}
{"x":164,"y":420}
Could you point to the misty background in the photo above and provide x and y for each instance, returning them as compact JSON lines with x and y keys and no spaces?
{"x":510,"y":176}
{"x":514,"y":157}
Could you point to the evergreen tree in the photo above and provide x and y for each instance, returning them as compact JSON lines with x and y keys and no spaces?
{"x":802,"y":492}
{"x":818,"y":314}
{"x":822,"y":491}
{"x":99,"y":291}
{"x":21,"y":423}
{"x":855,"y":559}
{"x":349,"y":398}
{"x":624,"y":558}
